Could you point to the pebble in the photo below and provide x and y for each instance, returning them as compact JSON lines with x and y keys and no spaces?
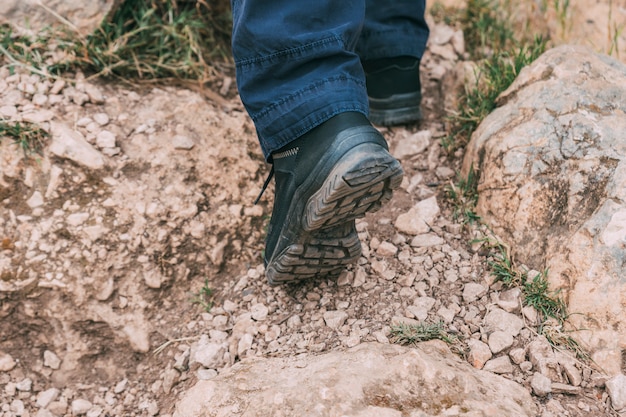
{"x":70,"y":144}
{"x":498,"y":319}
{"x":51,"y":360}
{"x":335,"y":318}
{"x":419,"y":218}
{"x":499,"y":341}
{"x":44,"y":398}
{"x":479,"y":353}
{"x":387,"y":249}
{"x":412,"y":145}
{"x":259,"y":312}
{"x":540,"y":384}
{"x":473,"y":291}
{"x":499,"y":365}
{"x":25,"y":385}
{"x":81,"y":406}
{"x":7,"y":363}
{"x":105,"y":139}
{"x":616,"y":387}
{"x":101,"y":118}
{"x":182,"y":142}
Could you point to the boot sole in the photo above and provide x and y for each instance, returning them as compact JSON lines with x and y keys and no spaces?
{"x":360,"y":182}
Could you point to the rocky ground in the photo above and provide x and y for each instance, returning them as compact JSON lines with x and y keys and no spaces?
{"x":131,"y":255}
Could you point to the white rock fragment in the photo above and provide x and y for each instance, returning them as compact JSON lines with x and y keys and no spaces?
{"x":76,"y":219}
{"x":412,"y":145}
{"x":498,"y":319}
{"x":105,"y":139}
{"x":499,"y":341}
{"x":426,"y":240}
{"x":182,"y":142}
{"x":70,"y":144}
{"x":616,"y":387}
{"x":499,"y":365}
{"x":541,"y":384}
{"x":7,"y":363}
{"x":209,"y":354}
{"x":472,"y":291}
{"x":335,"y":318}
{"x":259,"y":311}
{"x":81,"y":407}
{"x":36,"y":200}
{"x":419,"y":218}
{"x":44,"y":398}
{"x":421,"y":306}
{"x":51,"y":360}
{"x":101,"y":118}
{"x":479,"y":353}
{"x":387,"y":249}
{"x":25,"y":385}
{"x":38,"y":116}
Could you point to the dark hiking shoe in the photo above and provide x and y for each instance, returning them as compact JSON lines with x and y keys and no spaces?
{"x":324,"y":181}
{"x":394,"y":90}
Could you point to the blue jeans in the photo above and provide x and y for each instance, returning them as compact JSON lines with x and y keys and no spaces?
{"x":299,"y":62}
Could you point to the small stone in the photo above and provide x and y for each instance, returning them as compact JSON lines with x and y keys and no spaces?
{"x":616,"y":387}
{"x":101,"y":118}
{"x":510,"y":300}
{"x":25,"y":385}
{"x":105,"y":139}
{"x":526,"y":366}
{"x":413,"y":145}
{"x":499,"y":365}
{"x":345,"y":278}
{"x":7,"y":363}
{"x":36,"y":200}
{"x":479,"y":353}
{"x":58,"y":85}
{"x":360,"y":277}
{"x":94,"y":94}
{"x":559,"y":388}
{"x":419,"y":218}
{"x":444,"y":173}
{"x":335,"y":318}
{"x":426,"y":240}
{"x":42,"y":412}
{"x":259,"y":312}
{"x":51,"y":360}
{"x":498,"y":319}
{"x":44,"y":398}
{"x":182,"y":142}
{"x":17,"y":407}
{"x":121,"y":386}
{"x":81,"y":406}
{"x":421,"y":306}
{"x":517,"y":355}
{"x":70,"y":144}
{"x":499,"y":341}
{"x":38,"y":116}
{"x":387,"y":249}
{"x":472,"y":291}
{"x":206,"y":374}
{"x":541,"y":384}
{"x":208,"y":354}
{"x":76,"y":219}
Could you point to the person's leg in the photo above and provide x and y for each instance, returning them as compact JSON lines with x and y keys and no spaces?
{"x":391,"y":45}
{"x":304,"y":87}
{"x":296,"y":65}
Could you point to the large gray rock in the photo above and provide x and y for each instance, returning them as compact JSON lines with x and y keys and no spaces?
{"x":369,"y":380}
{"x":552,"y":166}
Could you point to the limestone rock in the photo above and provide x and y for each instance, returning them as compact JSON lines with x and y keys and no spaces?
{"x":362,"y":381}
{"x":552,"y":167}
{"x":70,"y":144}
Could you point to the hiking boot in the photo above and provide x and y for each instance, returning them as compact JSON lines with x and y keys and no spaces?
{"x":324,"y":181}
{"x":394,"y":90}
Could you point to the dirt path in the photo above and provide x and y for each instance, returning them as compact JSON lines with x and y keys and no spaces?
{"x":104,"y":271}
